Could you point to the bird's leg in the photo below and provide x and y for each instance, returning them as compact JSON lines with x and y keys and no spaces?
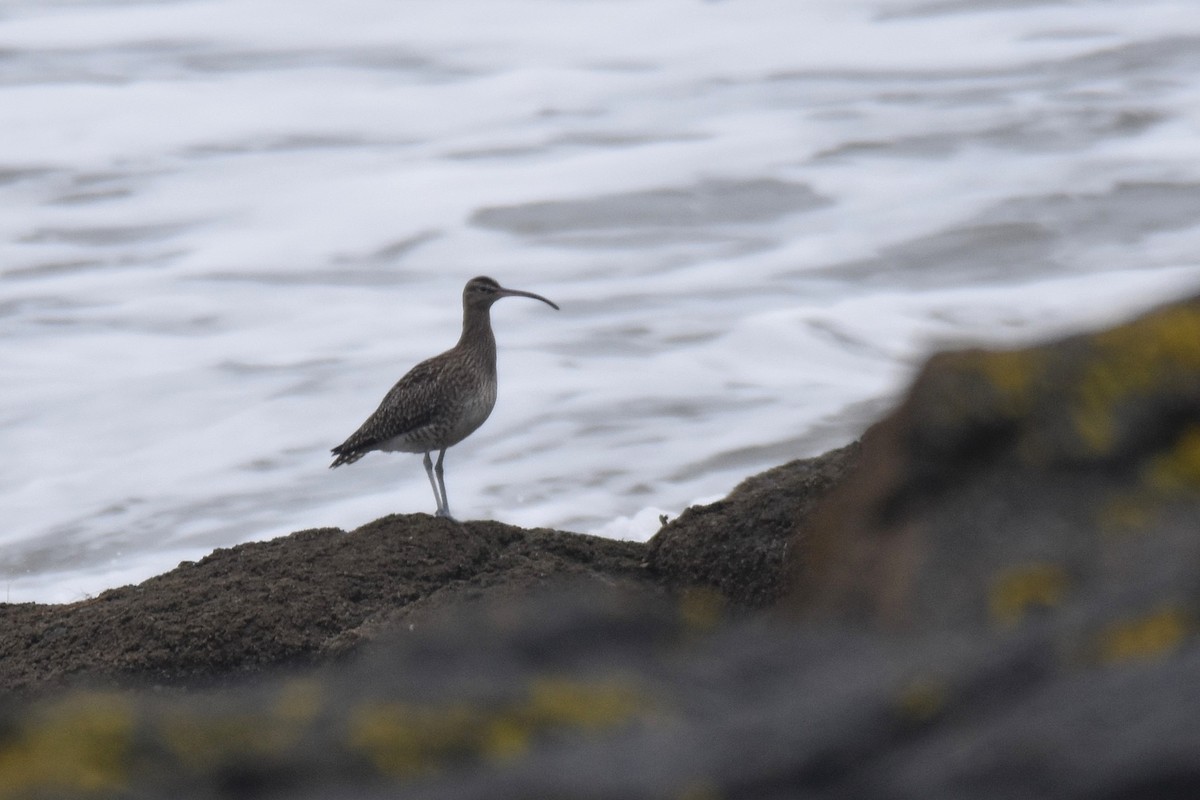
{"x":443,"y":502}
{"x":432,"y":483}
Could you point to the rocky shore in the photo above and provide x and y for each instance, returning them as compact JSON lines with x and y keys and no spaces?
{"x":994,"y":594}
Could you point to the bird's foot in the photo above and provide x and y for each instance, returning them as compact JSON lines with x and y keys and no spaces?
{"x":444,"y":513}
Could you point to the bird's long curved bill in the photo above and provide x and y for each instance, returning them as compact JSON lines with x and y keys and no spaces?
{"x":518,"y":293}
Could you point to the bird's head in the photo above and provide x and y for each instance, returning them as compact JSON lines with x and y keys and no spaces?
{"x":481,"y":292}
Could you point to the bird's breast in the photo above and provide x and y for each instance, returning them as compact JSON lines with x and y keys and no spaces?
{"x":475,"y":409}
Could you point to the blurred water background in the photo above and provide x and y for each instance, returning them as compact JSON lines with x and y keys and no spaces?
{"x":228,"y":226}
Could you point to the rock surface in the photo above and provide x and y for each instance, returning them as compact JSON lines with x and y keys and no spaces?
{"x":738,"y":546}
{"x":996,"y":596}
{"x":292,"y":600}
{"x":1018,"y":482}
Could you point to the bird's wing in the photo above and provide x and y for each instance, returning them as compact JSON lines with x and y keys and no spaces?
{"x":411,"y":403}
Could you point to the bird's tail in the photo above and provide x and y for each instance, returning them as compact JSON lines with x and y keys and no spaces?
{"x":345,"y":456}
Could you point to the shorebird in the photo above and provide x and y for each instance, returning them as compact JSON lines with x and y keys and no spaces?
{"x":442,"y":400}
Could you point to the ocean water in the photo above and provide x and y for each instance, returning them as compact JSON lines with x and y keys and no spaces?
{"x":230,"y":225}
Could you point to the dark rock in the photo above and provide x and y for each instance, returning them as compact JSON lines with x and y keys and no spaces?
{"x":611,"y":693}
{"x":319,"y":594}
{"x":738,"y":546}
{"x":1016,"y":482}
{"x":290,"y":600}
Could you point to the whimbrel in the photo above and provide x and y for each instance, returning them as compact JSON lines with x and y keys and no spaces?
{"x":442,"y":400}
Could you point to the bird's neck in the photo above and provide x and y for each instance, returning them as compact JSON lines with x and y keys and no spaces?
{"x":477,"y":336}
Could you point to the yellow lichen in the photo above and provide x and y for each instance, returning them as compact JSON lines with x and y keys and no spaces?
{"x":205,"y":739}
{"x":921,"y":699}
{"x":506,"y":739}
{"x":1170,"y":335}
{"x":1011,"y":372}
{"x":1134,"y":359}
{"x":560,"y":703}
{"x":1092,"y":414}
{"x":1179,"y":468}
{"x":299,"y":700}
{"x":699,"y":789}
{"x":79,"y":745}
{"x":403,"y":740}
{"x":1151,"y":636}
{"x":202,"y":741}
{"x":1164,"y":477}
{"x":1015,"y":591}
{"x":554,"y":701}
{"x":701,"y":609}
{"x":1126,"y":513}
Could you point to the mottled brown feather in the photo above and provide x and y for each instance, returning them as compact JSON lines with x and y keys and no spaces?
{"x":410,"y":404}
